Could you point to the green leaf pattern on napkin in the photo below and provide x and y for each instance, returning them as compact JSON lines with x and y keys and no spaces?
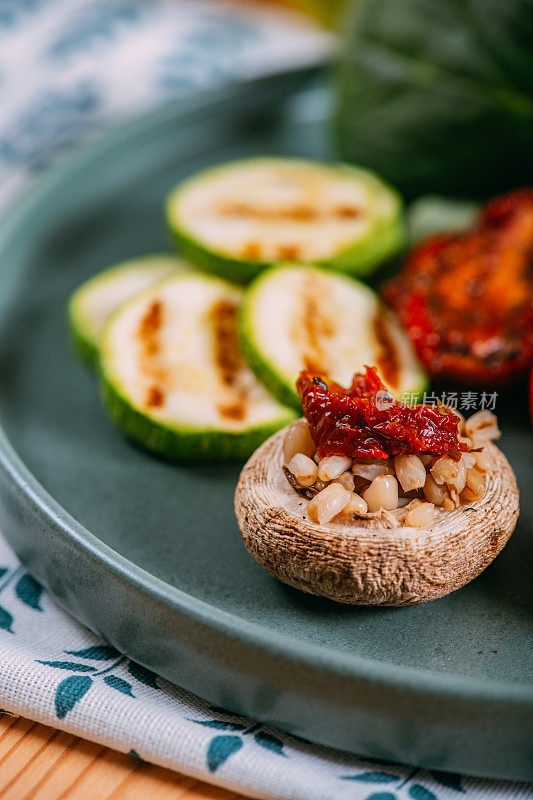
{"x":27,"y":590}
{"x":220,"y":748}
{"x":415,"y":791}
{"x":100,"y":665}
{"x":73,"y":689}
{"x":69,"y":692}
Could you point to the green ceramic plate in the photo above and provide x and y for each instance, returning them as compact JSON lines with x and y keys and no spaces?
{"x":148,"y":554}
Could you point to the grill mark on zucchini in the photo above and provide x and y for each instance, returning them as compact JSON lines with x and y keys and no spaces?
{"x":149,"y":330}
{"x":228,"y":359}
{"x":314,"y":327}
{"x":348,"y":212}
{"x":155,"y":397}
{"x":295,"y":213}
{"x":291,"y":252}
{"x":252,"y":251}
{"x":387,"y":356}
{"x":301,"y":213}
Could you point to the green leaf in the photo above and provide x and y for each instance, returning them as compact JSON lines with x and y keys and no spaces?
{"x":72,"y":665}
{"x":429,"y":90}
{"x":3,"y":571}
{"x":29,"y":591}
{"x":220,"y":749}
{"x":372,"y":777}
{"x":270,"y":742}
{"x":6,"y":620}
{"x":119,"y":684}
{"x":418,"y":792}
{"x":69,"y":692}
{"x":449,"y":779}
{"x":134,"y":754}
{"x":219,"y":725}
{"x":143,"y":675}
{"x":381,"y":796}
{"x":99,"y":652}
{"x":507,"y":29}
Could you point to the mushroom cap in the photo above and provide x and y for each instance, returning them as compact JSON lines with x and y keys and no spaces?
{"x":361,"y":562}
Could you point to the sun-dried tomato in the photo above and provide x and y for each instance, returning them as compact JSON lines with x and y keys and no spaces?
{"x":365,"y":421}
{"x":467,"y":299}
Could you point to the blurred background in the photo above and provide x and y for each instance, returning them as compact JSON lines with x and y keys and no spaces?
{"x":434,"y":95}
{"x":70,"y":67}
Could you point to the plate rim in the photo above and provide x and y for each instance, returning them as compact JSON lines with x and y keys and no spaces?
{"x":75,"y":535}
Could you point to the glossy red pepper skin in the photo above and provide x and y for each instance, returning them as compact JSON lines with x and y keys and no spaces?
{"x":355,"y":422}
{"x":531,"y":395}
{"x":467,"y":299}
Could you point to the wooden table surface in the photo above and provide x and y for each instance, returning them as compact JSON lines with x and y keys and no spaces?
{"x":41,"y":763}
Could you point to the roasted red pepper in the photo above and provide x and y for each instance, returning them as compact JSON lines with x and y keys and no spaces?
{"x":531,"y":395}
{"x":365,"y":421}
{"x":467,"y":299}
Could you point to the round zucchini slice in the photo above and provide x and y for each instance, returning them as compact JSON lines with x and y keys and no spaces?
{"x":238,"y":218}
{"x":298,"y":317}
{"x":92,"y":304}
{"x":173,"y":375}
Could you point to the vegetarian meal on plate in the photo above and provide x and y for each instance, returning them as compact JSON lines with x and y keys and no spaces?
{"x":238,"y":218}
{"x":366,"y":499}
{"x":374,"y":502}
{"x":466,"y":299}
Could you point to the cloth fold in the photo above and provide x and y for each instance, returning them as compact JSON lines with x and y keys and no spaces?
{"x":67,"y":66}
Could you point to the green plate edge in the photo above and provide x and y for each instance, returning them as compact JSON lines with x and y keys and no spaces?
{"x":360,"y":705}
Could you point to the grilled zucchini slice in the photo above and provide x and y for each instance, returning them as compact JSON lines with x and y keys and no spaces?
{"x":302,"y":317}
{"x":92,"y":304}
{"x":173,"y":375}
{"x":236,"y":219}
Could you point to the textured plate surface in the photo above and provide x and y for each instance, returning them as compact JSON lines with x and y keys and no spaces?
{"x":148,"y":554}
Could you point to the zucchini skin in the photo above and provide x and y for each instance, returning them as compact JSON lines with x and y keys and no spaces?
{"x":83,"y":341}
{"x":230,"y":269}
{"x":360,"y":259}
{"x":181,"y":443}
{"x":370,"y":253}
{"x":83,"y":345}
{"x":264,"y":369}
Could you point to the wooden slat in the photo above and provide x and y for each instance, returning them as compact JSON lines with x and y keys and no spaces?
{"x":41,"y":763}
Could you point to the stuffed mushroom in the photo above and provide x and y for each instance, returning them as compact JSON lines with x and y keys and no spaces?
{"x":370,"y":501}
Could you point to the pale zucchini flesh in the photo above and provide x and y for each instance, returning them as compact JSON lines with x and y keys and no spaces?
{"x":302,"y":317}
{"x":94,"y":302}
{"x":173,"y":375}
{"x":238,"y":218}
